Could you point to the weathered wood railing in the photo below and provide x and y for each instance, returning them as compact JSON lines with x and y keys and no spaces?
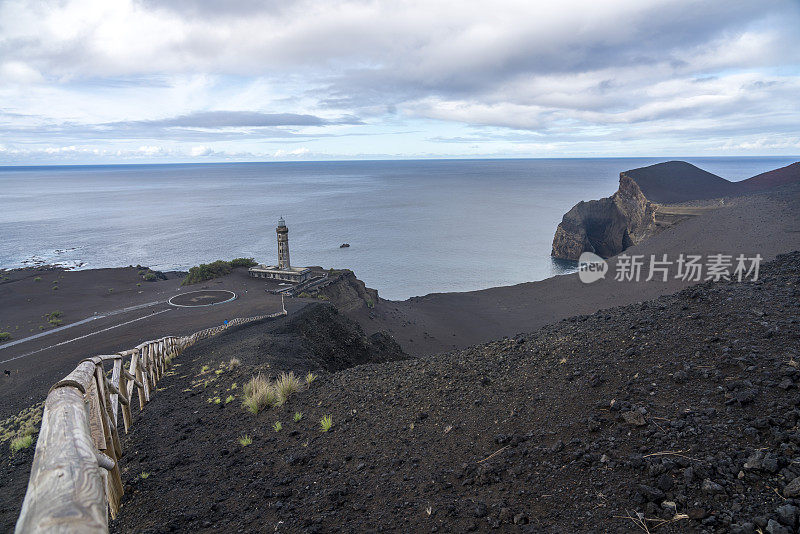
{"x":75,"y":477}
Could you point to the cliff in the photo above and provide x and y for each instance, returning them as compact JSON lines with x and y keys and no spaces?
{"x":606,"y":226}
{"x":346,"y":292}
{"x":610,"y":225}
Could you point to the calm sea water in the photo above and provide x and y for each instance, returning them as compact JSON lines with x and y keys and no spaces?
{"x":414,"y":227}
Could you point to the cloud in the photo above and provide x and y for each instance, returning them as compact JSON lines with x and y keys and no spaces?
{"x":296,"y":153}
{"x":199,"y":73}
{"x":226,"y":119}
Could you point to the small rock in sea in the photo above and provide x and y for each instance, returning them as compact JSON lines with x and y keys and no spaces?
{"x":792,"y":489}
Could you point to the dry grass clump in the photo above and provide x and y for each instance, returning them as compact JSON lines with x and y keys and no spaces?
{"x":258,"y":394}
{"x":20,"y":443}
{"x":234,"y":363}
{"x":285,"y":386}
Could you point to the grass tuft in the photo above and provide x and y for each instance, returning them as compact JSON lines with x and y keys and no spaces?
{"x":245,"y":440}
{"x":22,"y":442}
{"x":326,"y":423}
{"x":310,"y":377}
{"x":298,"y":416}
{"x":258,"y":394}
{"x":234,"y":363}
{"x":277,"y":426}
{"x":285,"y":386}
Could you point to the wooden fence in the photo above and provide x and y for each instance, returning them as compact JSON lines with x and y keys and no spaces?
{"x":75,"y":477}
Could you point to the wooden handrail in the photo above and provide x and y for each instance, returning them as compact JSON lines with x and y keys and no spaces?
{"x":75,"y":477}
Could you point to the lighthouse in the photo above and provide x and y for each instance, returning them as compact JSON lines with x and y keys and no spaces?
{"x":283,"y":272}
{"x":283,"y":245}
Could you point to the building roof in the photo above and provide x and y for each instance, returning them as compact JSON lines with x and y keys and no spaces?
{"x":276,"y":269}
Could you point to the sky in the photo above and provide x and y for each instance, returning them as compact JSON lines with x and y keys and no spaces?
{"x":159,"y":81}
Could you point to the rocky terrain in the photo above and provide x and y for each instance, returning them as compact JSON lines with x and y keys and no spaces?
{"x":628,"y":217}
{"x":674,"y":415}
{"x":346,"y":292}
{"x":317,"y":338}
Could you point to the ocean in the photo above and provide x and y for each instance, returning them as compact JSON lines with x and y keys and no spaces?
{"x":414,"y":227}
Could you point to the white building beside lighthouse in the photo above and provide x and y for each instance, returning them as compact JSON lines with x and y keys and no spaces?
{"x":284,"y":270}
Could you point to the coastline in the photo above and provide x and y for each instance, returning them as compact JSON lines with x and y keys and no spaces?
{"x":438,"y":323}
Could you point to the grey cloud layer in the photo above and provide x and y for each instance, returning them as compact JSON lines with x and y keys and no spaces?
{"x":234,"y":119}
{"x":563,"y":69}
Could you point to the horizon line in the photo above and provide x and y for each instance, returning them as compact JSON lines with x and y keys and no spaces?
{"x":666,"y":158}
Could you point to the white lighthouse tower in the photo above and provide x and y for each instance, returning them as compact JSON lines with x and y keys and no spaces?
{"x":283,"y":246}
{"x":284,"y":270}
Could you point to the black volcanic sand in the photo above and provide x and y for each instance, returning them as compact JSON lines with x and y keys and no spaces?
{"x":683,"y":409}
{"x":317,"y":338}
{"x":81,"y":294}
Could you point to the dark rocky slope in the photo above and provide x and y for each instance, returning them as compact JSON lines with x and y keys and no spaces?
{"x":768,"y":180}
{"x":317,"y":338}
{"x":681,"y":413}
{"x":346,"y":292}
{"x":678,"y":181}
{"x":331,"y":341}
